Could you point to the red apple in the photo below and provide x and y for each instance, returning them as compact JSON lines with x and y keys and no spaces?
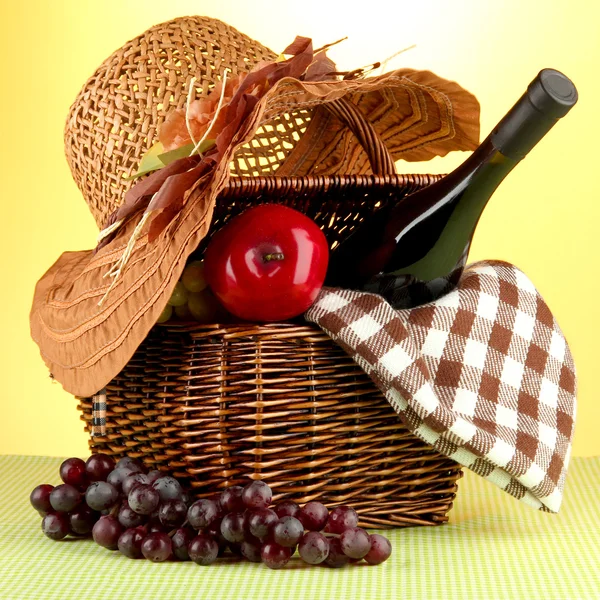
{"x":267,"y":264}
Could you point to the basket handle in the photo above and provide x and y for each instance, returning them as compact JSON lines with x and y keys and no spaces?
{"x":380,"y":158}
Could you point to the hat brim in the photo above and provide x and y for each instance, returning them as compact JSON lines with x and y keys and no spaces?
{"x":85,"y":345}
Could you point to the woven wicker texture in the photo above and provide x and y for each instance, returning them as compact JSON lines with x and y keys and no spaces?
{"x":116,"y":115}
{"x":282,"y":403}
{"x":225,"y":403}
{"x":336,"y":203}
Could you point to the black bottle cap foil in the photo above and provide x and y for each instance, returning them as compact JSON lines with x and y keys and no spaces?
{"x":552,"y":93}
{"x":548,"y":98}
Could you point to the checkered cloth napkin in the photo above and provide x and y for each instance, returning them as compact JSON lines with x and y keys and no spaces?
{"x":483,"y":374}
{"x":99,"y":413}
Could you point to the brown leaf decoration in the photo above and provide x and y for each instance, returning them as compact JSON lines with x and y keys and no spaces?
{"x":237,"y":111}
{"x":137,"y":196}
{"x":161,"y":221}
{"x":299,"y":45}
{"x":171,"y":194}
{"x":302,"y":52}
{"x":322,"y":68}
{"x":169,"y":188}
{"x":174,"y":133}
{"x":152,"y":184}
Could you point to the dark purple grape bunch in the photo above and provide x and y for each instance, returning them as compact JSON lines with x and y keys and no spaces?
{"x":121,"y":506}
{"x":149,"y":515}
{"x":241,"y":521}
{"x":63,"y":507}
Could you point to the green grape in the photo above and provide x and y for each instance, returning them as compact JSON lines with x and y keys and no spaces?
{"x":193,"y":277}
{"x":203,"y":306}
{"x":165,"y":315}
{"x":183,"y":312}
{"x":179,"y":295}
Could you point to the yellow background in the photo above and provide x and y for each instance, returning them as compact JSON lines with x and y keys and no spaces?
{"x":544,"y":218}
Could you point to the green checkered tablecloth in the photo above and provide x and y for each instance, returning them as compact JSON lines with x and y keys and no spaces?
{"x":493,"y":547}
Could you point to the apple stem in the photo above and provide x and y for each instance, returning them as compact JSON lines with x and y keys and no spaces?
{"x":273,"y":256}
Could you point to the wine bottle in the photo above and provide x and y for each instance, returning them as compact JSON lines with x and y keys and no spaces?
{"x":420,"y":244}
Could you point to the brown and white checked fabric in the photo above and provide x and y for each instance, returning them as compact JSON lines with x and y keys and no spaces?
{"x":483,"y":374}
{"x":99,"y":413}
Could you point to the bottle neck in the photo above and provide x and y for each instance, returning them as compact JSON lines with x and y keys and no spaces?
{"x":466,"y":191}
{"x":548,"y":98}
{"x":485,"y":168}
{"x":517,"y":133}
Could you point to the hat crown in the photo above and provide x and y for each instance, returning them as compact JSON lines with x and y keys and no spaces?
{"x":115,"y":118}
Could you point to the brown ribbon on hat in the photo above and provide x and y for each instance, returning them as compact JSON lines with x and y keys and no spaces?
{"x":483,"y":374}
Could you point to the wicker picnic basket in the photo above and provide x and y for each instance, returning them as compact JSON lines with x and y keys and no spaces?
{"x":224,"y":403}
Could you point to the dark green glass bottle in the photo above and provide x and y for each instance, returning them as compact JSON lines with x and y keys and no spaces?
{"x":423,"y":240}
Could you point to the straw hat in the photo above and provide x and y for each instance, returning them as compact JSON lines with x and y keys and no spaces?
{"x":88,"y":325}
